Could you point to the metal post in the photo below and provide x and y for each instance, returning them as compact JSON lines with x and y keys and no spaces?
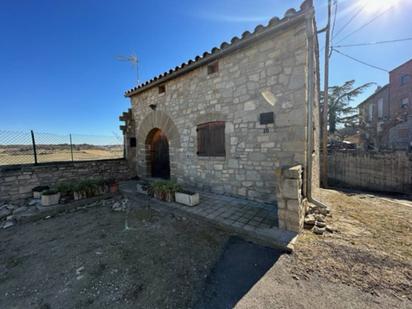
{"x":71,"y":147}
{"x":34,"y":147}
{"x":324,"y":178}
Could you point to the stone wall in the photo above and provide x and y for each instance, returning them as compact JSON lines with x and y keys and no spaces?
{"x":269,"y":75}
{"x":17,"y":182}
{"x":384,"y":172}
{"x":291,"y":211}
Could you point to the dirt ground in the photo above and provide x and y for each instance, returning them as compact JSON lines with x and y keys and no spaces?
{"x":87,"y":259}
{"x":366,"y":263}
{"x":95,"y":258}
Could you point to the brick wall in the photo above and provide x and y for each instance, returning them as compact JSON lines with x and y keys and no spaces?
{"x":16,"y":182}
{"x":385,"y":172}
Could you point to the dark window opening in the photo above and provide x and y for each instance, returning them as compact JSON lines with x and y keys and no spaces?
{"x":132,"y":142}
{"x":405,"y":79}
{"x":211,"y":139}
{"x":162,"y":89}
{"x":213,"y":68}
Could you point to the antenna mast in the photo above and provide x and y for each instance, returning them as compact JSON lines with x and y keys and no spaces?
{"x":134,"y":61}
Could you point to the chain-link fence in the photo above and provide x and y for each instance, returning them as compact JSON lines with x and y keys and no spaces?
{"x":33,"y":147}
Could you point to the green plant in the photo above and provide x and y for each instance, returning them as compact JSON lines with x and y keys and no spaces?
{"x":163,"y":189}
{"x":65,"y":188}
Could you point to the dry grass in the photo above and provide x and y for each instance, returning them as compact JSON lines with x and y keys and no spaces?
{"x":59,"y":155}
{"x":372,"y":248}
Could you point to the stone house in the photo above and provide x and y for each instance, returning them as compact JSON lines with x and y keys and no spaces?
{"x":386,"y":115}
{"x":227,"y":120}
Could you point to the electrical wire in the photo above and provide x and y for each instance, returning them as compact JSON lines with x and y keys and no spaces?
{"x":350,"y":20}
{"x":360,"y":61}
{"x":366,"y":24}
{"x":374,"y":43}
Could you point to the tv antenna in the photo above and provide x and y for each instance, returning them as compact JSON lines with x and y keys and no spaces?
{"x":133,"y":60}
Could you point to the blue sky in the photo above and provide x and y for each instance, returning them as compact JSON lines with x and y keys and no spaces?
{"x":58,"y":67}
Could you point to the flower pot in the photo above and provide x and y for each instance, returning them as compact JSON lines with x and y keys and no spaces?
{"x":114,"y":188}
{"x":187,"y":198}
{"x":37,"y":191}
{"x":50,"y":199}
{"x":169,"y":197}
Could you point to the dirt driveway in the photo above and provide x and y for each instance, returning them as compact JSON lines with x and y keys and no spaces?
{"x":366,"y":263}
{"x":90,"y":259}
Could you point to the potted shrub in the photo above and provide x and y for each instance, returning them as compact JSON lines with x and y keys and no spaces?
{"x":66,"y":191}
{"x":187,"y":198}
{"x":50,"y":197}
{"x":163,"y":190}
{"x":113,"y":185}
{"x":37,"y":191}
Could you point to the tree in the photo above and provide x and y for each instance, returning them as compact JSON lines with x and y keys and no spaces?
{"x":340,"y":113}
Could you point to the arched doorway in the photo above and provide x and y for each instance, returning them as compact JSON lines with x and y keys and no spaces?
{"x":157,"y":154}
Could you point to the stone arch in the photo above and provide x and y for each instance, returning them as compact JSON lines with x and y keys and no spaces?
{"x":162,"y":121}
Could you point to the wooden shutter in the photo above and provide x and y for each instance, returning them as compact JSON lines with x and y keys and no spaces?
{"x":202,"y":140}
{"x":211,"y":139}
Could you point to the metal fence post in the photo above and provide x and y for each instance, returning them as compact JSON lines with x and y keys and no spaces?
{"x":71,"y":147}
{"x":34,"y":147}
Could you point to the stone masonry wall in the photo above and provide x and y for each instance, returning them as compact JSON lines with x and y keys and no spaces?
{"x":385,"y":172}
{"x":268,"y":75}
{"x":17,"y":182}
{"x":291,"y":211}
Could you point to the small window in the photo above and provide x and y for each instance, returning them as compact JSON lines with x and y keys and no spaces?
{"x":132,"y":142}
{"x":162,"y":89}
{"x":211,"y":139}
{"x":405,"y":102}
{"x":405,"y":79}
{"x":213,"y":68}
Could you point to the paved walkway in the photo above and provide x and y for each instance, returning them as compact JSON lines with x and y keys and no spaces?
{"x":252,"y":220}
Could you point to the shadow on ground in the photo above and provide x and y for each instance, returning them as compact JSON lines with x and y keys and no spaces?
{"x":240,"y":267}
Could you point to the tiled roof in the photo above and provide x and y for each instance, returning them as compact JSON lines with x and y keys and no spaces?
{"x":275,"y":23}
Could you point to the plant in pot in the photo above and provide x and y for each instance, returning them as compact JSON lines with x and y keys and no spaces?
{"x":79,"y":191}
{"x":66,"y":191}
{"x":50,"y":197}
{"x":163,"y":190}
{"x":37,"y":191}
{"x":113,"y":185}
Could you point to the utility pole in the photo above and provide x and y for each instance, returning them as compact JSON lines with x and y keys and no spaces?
{"x":324,"y":164}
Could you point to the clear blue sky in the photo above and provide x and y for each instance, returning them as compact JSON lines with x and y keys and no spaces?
{"x":58,"y":67}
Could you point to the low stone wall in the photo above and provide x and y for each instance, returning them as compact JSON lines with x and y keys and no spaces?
{"x":384,"y":172}
{"x":291,"y":211}
{"x":17,"y":182}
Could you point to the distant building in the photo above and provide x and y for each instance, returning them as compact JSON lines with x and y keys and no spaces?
{"x":386,"y":116}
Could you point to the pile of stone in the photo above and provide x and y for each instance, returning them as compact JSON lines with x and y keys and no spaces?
{"x":315,"y":219}
{"x":10,"y":213}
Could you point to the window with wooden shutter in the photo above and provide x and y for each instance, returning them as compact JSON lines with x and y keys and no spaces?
{"x":211,"y":139}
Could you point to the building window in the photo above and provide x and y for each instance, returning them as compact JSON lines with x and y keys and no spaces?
{"x":132,"y":142}
{"x":162,"y":89}
{"x":404,"y":103}
{"x":380,"y":108}
{"x":213,"y":68}
{"x":211,"y":139}
{"x":405,"y":79}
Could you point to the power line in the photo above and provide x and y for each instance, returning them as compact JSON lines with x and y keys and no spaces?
{"x":375,"y":43}
{"x":350,"y":20}
{"x":366,"y":24}
{"x":333,"y":24}
{"x":360,"y":61}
